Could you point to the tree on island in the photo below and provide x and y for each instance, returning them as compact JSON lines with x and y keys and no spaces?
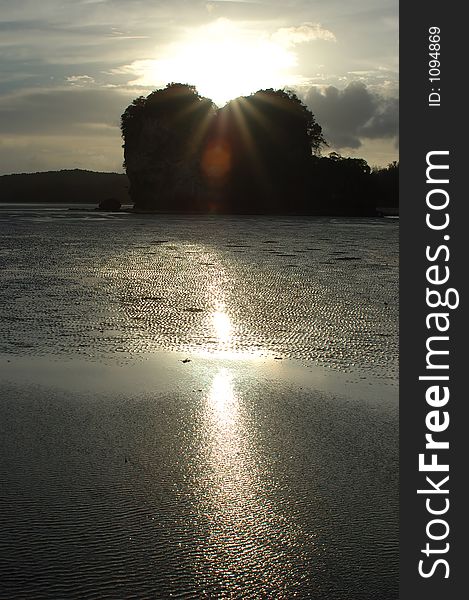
{"x":341,"y":186}
{"x":386,"y":185}
{"x":250,"y":156}
{"x":162,"y":135}
{"x":272,"y":136}
{"x":258,"y":154}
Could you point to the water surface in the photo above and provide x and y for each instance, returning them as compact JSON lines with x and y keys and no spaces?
{"x":199,"y":407}
{"x":96,"y":284}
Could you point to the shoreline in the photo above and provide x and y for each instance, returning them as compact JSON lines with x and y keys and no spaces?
{"x":381,"y":212}
{"x":157,"y":371}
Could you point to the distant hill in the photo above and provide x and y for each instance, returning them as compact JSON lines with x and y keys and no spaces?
{"x":68,"y":186}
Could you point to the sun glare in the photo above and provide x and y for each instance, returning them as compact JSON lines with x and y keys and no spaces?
{"x":223,"y":61}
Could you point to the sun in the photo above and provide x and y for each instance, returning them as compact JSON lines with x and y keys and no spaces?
{"x":223,"y":60}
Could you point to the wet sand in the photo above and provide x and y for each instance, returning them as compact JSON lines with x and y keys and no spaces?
{"x":115,"y":286}
{"x":214,"y":478}
{"x":197,"y":407}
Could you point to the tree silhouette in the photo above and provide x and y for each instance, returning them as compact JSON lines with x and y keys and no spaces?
{"x":386,"y":184}
{"x":258,"y":154}
{"x":162,"y":135}
{"x":341,"y":186}
{"x":272,"y":136}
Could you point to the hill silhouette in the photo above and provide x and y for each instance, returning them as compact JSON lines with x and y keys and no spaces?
{"x":67,"y":186}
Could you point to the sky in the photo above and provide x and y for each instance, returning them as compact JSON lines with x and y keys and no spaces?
{"x":69,"y":68}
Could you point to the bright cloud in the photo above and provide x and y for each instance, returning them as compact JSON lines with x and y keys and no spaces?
{"x":222,"y":60}
{"x":308,"y":32}
{"x":80,"y":80}
{"x":225,"y":60}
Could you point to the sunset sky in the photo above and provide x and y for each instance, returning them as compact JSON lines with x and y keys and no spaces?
{"x":70,"y":67}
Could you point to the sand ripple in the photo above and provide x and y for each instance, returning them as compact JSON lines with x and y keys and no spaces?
{"x":318,"y":289}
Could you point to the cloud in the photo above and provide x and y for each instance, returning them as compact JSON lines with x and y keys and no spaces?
{"x":78,"y":47}
{"x":355,"y":113}
{"x":307,"y":32}
{"x":80,"y":80}
{"x":75,"y":127}
{"x":69,"y":111}
{"x":57,"y":32}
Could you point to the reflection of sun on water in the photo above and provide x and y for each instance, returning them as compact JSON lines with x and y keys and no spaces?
{"x":222,"y":326}
{"x":228,"y":449}
{"x":222,"y":398}
{"x":248,"y":538}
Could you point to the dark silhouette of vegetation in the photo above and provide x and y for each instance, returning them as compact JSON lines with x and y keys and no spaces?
{"x":258,"y":154}
{"x":386,"y":186}
{"x":69,"y":186}
{"x":252,"y":156}
{"x":271,"y":137}
{"x":348,"y":186}
{"x":328,"y":192}
{"x":163,"y":137}
{"x":341,"y":186}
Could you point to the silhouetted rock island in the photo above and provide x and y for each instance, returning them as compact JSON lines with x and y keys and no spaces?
{"x":259,"y":154}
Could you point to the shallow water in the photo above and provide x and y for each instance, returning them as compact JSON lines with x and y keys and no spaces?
{"x":197,"y":408}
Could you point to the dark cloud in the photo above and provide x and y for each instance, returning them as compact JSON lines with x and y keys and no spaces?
{"x":384,"y":122}
{"x":62,"y":112}
{"x":15,"y":26}
{"x":348,"y":116}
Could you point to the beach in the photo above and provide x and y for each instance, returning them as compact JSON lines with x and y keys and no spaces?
{"x":198,"y":407}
